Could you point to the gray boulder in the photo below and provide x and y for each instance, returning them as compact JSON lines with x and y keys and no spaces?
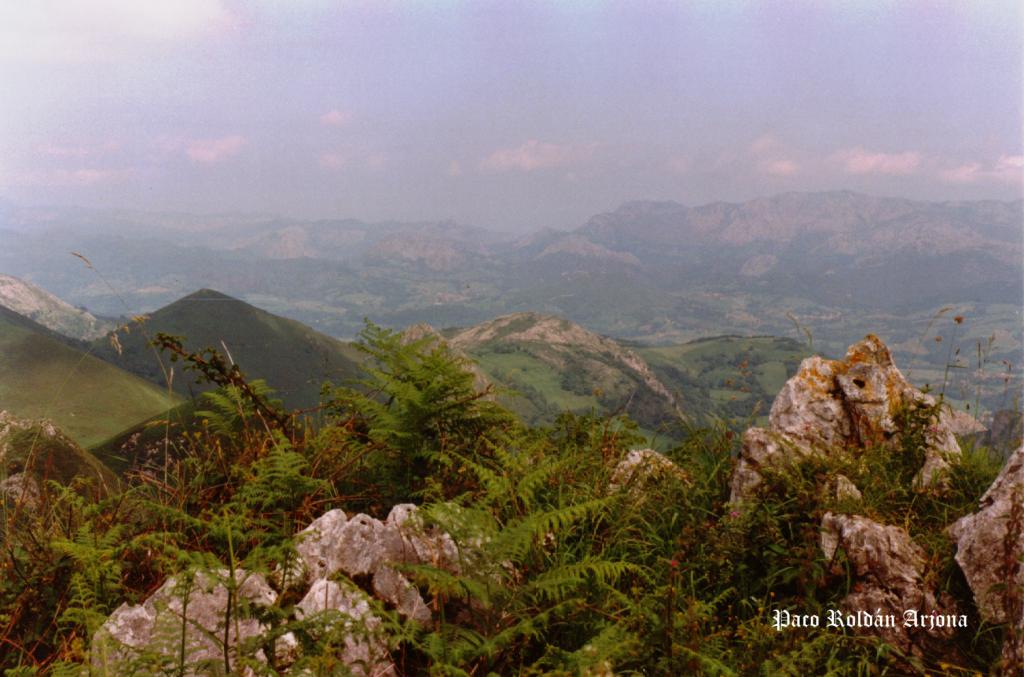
{"x":888,"y":568}
{"x":641,"y":466}
{"x":187,"y":619}
{"x":990,"y":551}
{"x":832,"y":406}
{"x":192,"y":619}
{"x":347,"y":612}
{"x":364,"y":546}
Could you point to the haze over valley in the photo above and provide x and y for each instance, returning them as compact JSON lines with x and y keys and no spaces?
{"x":821,"y":268}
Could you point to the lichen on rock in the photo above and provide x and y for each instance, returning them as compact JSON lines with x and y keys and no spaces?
{"x":837,"y":406}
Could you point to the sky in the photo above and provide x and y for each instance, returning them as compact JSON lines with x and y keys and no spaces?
{"x":511,"y":115}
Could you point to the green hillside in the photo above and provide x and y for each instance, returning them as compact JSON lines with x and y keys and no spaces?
{"x":732,"y":377}
{"x":43,"y":375}
{"x":551,"y":365}
{"x":545,"y":365}
{"x":146,"y":441}
{"x":294,"y":359}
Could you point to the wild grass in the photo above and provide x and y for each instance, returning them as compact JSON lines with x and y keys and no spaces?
{"x":563,"y":575}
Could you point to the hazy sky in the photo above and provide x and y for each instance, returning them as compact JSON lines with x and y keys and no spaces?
{"x":511,"y":115}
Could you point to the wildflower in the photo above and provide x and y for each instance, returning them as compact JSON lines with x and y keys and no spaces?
{"x":734,"y":514}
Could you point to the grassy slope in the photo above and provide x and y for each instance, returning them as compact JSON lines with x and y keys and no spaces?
{"x":44,"y":376}
{"x":727,"y":377}
{"x":536,"y":388}
{"x":739,"y":376}
{"x":294,"y":359}
{"x":148,"y":438}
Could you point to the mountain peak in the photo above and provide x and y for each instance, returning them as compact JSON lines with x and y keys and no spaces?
{"x":207,"y":294}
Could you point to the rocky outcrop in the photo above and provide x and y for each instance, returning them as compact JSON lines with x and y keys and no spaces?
{"x":834,"y":406}
{"x":192,"y":612}
{"x":641,"y":466}
{"x":32,"y":452}
{"x":364,"y":546}
{"x":347,"y":611}
{"x":43,"y":307}
{"x":562,"y":338}
{"x":990,"y":551}
{"x":347,"y":567}
{"x":888,"y":568}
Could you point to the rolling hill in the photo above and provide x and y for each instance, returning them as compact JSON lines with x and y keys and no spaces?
{"x":46,"y":376}
{"x":547,"y":365}
{"x":294,"y":359}
{"x":731,"y":377}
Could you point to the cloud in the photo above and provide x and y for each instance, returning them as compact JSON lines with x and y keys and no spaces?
{"x":82,"y":176}
{"x":75,"y":31}
{"x":782,"y":167}
{"x":1006,"y":169}
{"x":772,"y":156}
{"x":765,"y":144}
{"x":965,"y":173}
{"x":335,"y":118}
{"x":454,"y":168}
{"x":376,"y":162}
{"x":211,"y":151}
{"x":859,"y":161}
{"x":528,"y":157}
{"x":332,"y":160}
{"x":59,"y":150}
{"x":678,"y":164}
{"x":1009,"y":169}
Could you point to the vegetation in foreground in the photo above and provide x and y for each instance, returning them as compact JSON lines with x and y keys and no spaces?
{"x":664,"y":579}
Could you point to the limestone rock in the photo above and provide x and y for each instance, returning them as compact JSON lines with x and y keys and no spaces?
{"x":316,"y":544}
{"x":367,"y":550}
{"x":889,"y":568}
{"x":421,"y":545}
{"x":831,"y":406}
{"x":150,"y":634}
{"x":392,"y":587}
{"x":990,"y":551}
{"x":364,"y":546}
{"x":844,"y":489}
{"x":642,"y":465}
{"x":963,"y":424}
{"x":348,"y":611}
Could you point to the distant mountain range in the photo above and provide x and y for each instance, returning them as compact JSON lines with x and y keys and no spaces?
{"x":830,"y":267}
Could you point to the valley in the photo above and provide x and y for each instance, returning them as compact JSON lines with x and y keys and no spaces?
{"x":821,"y":268}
